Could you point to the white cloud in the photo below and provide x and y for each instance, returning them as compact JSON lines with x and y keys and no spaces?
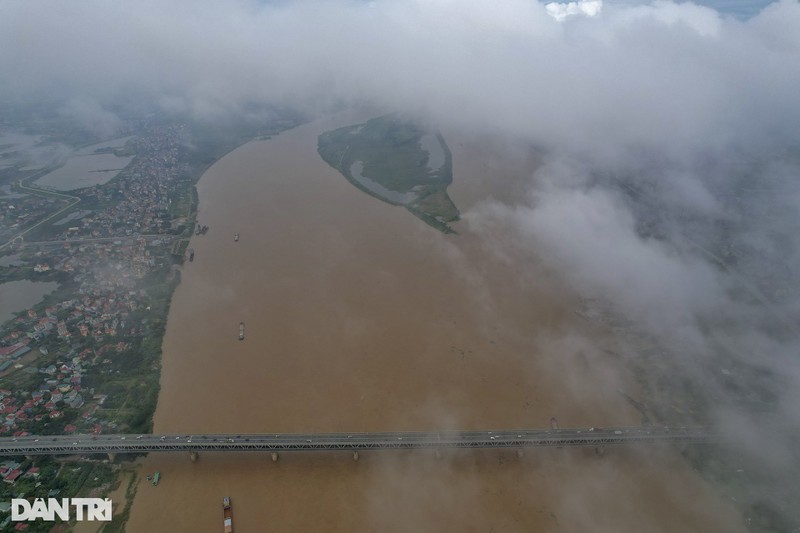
{"x":560,"y":11}
{"x":694,"y":113}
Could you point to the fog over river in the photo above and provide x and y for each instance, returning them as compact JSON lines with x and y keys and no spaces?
{"x":360,"y":317}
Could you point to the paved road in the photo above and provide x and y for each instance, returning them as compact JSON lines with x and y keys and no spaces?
{"x":74,"y":200}
{"x":279,"y":442}
{"x":122,"y":238}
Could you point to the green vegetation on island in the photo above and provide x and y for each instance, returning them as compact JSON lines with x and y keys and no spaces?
{"x":397,"y":162}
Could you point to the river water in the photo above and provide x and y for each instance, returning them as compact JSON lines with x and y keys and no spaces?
{"x":359,"y":317}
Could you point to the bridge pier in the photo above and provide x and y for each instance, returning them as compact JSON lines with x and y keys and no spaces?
{"x":600,"y":450}
{"x":112,"y":456}
{"x":355,"y":456}
{"x":437,"y":454}
{"x":274,"y":456}
{"x":193,"y":457}
{"x":519,"y":453}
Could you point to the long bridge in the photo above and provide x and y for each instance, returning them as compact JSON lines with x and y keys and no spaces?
{"x":409,"y":440}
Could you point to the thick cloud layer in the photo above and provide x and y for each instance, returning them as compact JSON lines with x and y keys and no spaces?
{"x":671,"y":181}
{"x":662,"y":77}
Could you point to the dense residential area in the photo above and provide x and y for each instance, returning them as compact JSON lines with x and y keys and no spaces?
{"x":68,"y":363}
{"x":86,"y":358}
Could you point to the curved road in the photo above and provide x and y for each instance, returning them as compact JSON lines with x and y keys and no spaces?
{"x":74,"y":200}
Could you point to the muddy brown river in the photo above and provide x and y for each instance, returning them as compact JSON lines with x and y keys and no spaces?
{"x":359,"y":317}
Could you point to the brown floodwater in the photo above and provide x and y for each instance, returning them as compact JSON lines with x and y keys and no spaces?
{"x":359,"y":317}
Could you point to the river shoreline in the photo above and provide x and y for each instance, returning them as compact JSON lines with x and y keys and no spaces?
{"x":361,"y":318}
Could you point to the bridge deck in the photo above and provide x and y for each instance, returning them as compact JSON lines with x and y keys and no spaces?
{"x":280,"y":442}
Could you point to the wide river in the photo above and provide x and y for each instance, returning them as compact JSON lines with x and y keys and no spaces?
{"x":359,"y":317}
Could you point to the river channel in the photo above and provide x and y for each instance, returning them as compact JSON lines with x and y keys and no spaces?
{"x":360,"y":317}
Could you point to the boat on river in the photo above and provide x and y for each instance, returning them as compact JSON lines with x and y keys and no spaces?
{"x":227,"y":515}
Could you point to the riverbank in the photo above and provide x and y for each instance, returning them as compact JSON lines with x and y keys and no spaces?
{"x":362,"y":318}
{"x":89,"y":352}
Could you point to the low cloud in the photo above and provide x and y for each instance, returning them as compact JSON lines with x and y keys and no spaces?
{"x":664,"y":77}
{"x":669,"y":188}
{"x":561,"y":11}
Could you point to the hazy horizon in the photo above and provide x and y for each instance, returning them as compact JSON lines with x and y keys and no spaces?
{"x":668,"y":192}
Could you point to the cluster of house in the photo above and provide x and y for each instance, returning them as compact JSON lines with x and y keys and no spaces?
{"x":108,"y":266}
{"x":98,"y":312}
{"x":144,"y":187}
{"x":18,"y":211}
{"x":10,"y":471}
{"x":107,"y":275}
{"x":12,"y":351}
{"x":60,"y":388}
{"x":91,"y":315}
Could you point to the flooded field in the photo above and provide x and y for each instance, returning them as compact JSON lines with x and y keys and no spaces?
{"x":362,"y":318}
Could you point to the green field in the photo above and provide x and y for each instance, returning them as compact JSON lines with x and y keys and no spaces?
{"x":385,"y":158}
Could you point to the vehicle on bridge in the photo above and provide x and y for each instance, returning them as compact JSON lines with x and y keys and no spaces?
{"x":284,"y":442}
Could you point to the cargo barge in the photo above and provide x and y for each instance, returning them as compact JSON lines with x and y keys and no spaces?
{"x":241,"y":331}
{"x":236,"y":237}
{"x":227,"y":515}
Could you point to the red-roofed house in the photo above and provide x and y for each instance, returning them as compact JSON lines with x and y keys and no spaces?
{"x":12,"y":476}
